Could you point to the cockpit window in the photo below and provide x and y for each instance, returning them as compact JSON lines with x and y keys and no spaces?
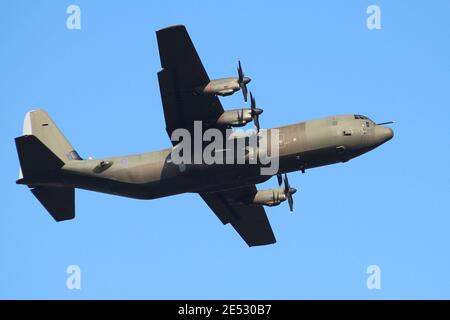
{"x":358,"y":116}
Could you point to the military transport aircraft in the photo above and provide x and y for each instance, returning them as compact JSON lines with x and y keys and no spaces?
{"x":52,"y":169}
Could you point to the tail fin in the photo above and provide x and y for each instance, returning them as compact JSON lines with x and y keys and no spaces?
{"x":39,"y":124}
{"x":42,"y":151}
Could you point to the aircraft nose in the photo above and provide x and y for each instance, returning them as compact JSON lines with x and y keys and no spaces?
{"x":387,"y":133}
{"x":246,"y":80}
{"x":384,"y":134}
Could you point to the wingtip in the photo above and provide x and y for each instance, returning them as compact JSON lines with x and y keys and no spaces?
{"x":173,"y":27}
{"x":262,"y":243}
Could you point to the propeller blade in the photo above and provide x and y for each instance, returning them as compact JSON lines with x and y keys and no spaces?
{"x":286,"y":182}
{"x":255,"y":111}
{"x":280,"y":179}
{"x":288,"y":191}
{"x":252,"y":103}
{"x":242,"y":80}
{"x":240,"y":72}
{"x":256,"y":121}
{"x":290,"y":202}
{"x":244,"y":90}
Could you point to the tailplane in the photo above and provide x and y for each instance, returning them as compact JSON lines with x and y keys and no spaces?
{"x":59,"y":201}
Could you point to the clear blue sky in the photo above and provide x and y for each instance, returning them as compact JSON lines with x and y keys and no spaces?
{"x":390,"y":207}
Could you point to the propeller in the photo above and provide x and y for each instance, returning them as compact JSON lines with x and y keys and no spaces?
{"x":280,"y":179}
{"x":255,"y":112}
{"x":288,"y":192}
{"x":243,"y":80}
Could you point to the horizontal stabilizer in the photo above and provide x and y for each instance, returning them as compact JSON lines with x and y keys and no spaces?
{"x":35,"y":157}
{"x":59,"y":202}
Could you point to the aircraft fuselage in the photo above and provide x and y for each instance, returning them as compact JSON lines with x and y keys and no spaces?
{"x":152,"y":175}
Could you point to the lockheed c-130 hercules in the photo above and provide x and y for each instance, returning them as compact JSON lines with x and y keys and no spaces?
{"x":52,"y":169}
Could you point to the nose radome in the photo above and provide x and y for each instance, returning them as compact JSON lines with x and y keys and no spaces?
{"x":388,"y":133}
{"x":385,"y":134}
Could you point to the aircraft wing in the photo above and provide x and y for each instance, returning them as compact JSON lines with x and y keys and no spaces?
{"x":250,"y":221}
{"x":182,"y":73}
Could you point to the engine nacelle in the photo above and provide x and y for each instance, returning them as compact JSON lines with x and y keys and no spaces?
{"x":221,"y":87}
{"x":235,"y":117}
{"x":225,"y":92}
{"x":269,"y":197}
